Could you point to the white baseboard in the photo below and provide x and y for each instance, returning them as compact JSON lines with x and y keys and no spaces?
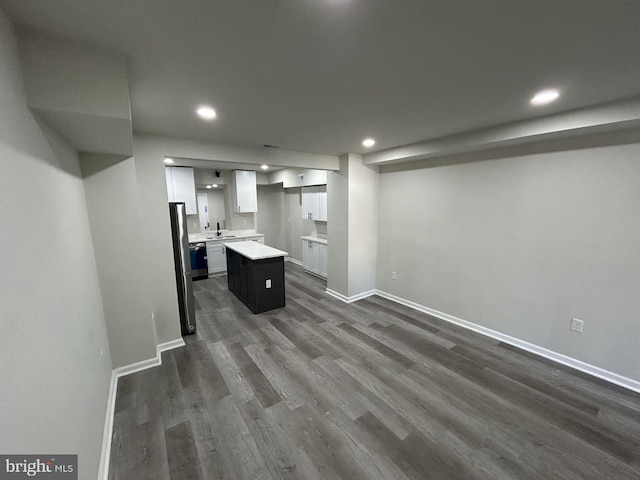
{"x":137,"y":367}
{"x":611,"y":377}
{"x":103,"y":472}
{"x":353,"y":298}
{"x":163,"y":347}
{"x":107,"y":434}
{"x":293,"y":260}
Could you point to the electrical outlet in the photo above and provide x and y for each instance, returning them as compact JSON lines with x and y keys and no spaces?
{"x":577,"y":325}
{"x":268,"y":285}
{"x":394,"y":276}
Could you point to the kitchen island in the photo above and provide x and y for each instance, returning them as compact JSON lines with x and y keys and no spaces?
{"x":255,"y":274}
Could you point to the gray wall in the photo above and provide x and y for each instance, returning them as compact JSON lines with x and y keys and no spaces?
{"x":55,"y":366}
{"x":522,"y":245}
{"x":112,"y":202}
{"x":338,"y":228}
{"x":295,"y":223}
{"x":352,"y":227}
{"x":279,"y":217}
{"x":272,"y":215}
{"x":363,"y":225}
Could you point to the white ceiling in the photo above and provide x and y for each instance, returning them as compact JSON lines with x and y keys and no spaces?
{"x":320,"y":75}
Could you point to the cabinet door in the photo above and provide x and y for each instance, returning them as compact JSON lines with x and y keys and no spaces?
{"x":246,"y":193}
{"x":184,"y":188}
{"x":323,"y":260}
{"x":216,"y":257}
{"x":306,"y":203}
{"x":315,"y":262}
{"x":307,"y":255}
{"x":322,"y":203}
{"x":311,"y":203}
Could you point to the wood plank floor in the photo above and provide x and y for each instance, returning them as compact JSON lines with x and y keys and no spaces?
{"x":372,"y":390}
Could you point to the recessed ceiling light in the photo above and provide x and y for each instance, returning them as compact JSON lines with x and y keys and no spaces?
{"x":545,"y":96}
{"x":368,"y":142}
{"x":264,"y":167}
{"x":209,"y":186}
{"x":169,"y":160}
{"x":206,"y":112}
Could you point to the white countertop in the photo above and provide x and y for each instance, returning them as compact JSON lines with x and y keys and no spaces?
{"x":255,"y":250}
{"x":315,"y":239}
{"x":228,"y":236}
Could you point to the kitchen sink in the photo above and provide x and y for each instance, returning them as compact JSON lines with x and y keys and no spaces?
{"x":221,"y":237}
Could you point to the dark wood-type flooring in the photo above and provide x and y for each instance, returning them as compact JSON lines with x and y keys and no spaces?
{"x":372,"y":390}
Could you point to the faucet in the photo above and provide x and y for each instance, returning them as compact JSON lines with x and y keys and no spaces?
{"x":218,"y":233}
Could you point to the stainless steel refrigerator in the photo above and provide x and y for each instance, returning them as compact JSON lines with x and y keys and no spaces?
{"x":182,"y":262}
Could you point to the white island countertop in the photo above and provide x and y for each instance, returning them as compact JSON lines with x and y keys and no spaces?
{"x":227,"y":236}
{"x":254,"y":250}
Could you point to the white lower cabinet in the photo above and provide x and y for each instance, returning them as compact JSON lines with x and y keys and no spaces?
{"x":323,"y":261}
{"x":216,"y":257}
{"x":217,"y":254}
{"x":314,"y":257}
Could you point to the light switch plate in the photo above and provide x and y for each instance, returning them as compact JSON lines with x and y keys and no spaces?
{"x":268,"y":283}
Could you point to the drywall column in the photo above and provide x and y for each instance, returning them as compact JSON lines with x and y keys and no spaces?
{"x":352,"y":194}
{"x":158,"y":253}
{"x":55,"y":366}
{"x":112,"y":201}
{"x":363,"y":226}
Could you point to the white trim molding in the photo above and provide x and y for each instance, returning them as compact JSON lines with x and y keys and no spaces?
{"x":107,"y":435}
{"x":293,"y":260}
{"x":352,"y":298}
{"x":163,"y":347}
{"x":593,"y":370}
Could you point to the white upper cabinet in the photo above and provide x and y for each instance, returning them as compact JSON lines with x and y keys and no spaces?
{"x":310,"y":203}
{"x":244,"y":193}
{"x":314,"y":203}
{"x":181,"y":187}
